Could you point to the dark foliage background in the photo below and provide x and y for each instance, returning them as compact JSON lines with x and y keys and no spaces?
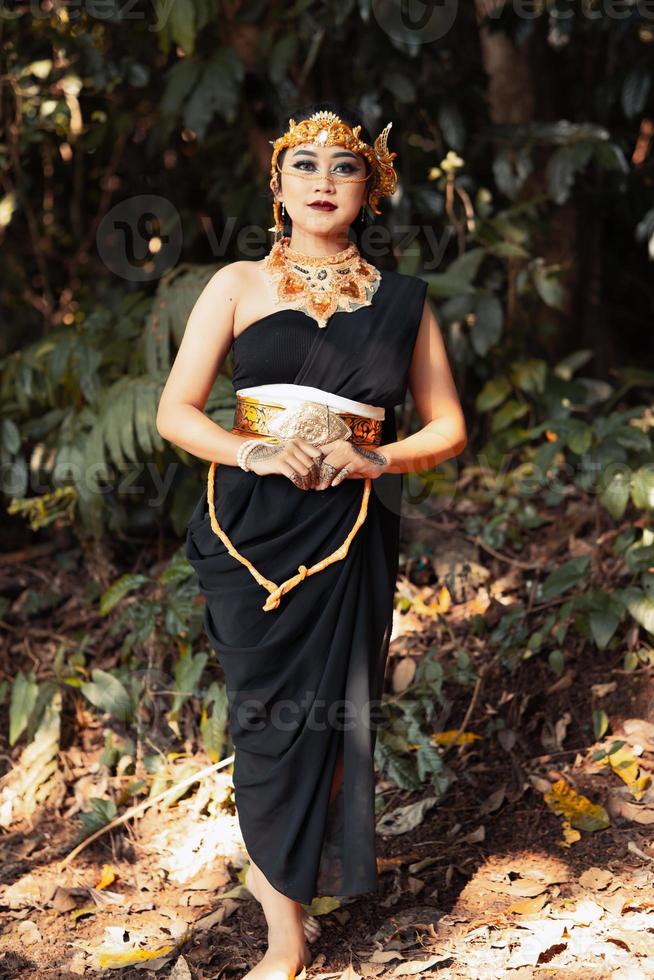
{"x":134,"y":158}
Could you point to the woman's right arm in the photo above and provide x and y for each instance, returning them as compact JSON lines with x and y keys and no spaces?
{"x":206,"y":342}
{"x":208,"y":336}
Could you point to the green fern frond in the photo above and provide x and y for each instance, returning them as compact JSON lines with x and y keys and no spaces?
{"x":125,"y":427}
{"x":175,"y":298}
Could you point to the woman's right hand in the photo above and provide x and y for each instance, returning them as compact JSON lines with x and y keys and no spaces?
{"x":294,"y":458}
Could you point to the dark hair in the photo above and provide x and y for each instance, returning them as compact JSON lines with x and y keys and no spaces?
{"x":352,"y":119}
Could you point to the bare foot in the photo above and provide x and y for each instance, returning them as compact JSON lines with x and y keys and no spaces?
{"x":310,"y":923}
{"x":282,"y":961}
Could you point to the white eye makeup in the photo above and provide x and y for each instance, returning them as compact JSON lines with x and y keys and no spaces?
{"x":306,"y":162}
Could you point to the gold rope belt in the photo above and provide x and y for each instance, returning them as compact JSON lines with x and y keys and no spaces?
{"x":253,"y":417}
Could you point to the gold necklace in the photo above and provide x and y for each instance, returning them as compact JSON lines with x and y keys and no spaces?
{"x":319,"y":285}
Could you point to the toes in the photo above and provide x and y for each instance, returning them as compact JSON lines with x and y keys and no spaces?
{"x":312,"y":927}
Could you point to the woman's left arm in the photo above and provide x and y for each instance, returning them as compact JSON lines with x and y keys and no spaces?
{"x":444,"y":433}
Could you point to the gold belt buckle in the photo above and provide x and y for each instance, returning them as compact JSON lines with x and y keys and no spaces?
{"x":310,"y":420}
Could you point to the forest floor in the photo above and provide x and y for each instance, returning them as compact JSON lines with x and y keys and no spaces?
{"x":487,"y":881}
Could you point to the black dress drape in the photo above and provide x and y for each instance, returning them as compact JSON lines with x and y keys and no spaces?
{"x":303,"y":679}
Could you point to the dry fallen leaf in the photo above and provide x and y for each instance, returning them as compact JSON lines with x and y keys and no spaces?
{"x":578,"y":809}
{"x":440,"y":603}
{"x":323,"y":905}
{"x":403,"y":674}
{"x":601,"y":690}
{"x":598,"y":878}
{"x":448,"y":737}
{"x":570,"y":835}
{"x":124,"y":947}
{"x":181,"y":970}
{"x":528,"y":906}
{"x":29,"y":932}
{"x":412,"y":967}
{"x":348,"y":974}
{"x":494,"y":801}
{"x":639,"y":731}
{"x":405,"y":818}
{"x":28,"y":892}
{"x":634,"y":848}
{"x":625,"y":765}
{"x":642,"y":812}
{"x":520,"y":887}
{"x":107,"y":877}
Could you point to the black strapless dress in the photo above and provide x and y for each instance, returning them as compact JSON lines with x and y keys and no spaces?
{"x":303,"y":680}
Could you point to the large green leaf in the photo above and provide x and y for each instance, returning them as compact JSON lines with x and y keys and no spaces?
{"x":179,"y":82}
{"x":606,"y":612}
{"x":172,"y":306}
{"x":615,"y":494}
{"x":125,"y":426}
{"x":217,"y":92}
{"x":639,"y":557}
{"x":489,"y":320}
{"x":34,"y":776}
{"x":188,"y":671}
{"x":452,"y":124}
{"x":579,"y":436}
{"x":560,"y":173}
{"x":492,"y":394}
{"x":635,"y":90}
{"x":529,"y":375}
{"x":441,"y":284}
{"x":565,"y":577}
{"x":641,"y":607}
{"x":181,"y":24}
{"x":108,"y":693}
{"x":119,"y":589}
{"x":510,"y":411}
{"x":215,"y":712}
{"x":396,"y":766}
{"x":566,"y":367}
{"x":547,"y":283}
{"x":24,"y":692}
{"x":642,"y":487}
{"x":511,"y":167}
{"x":466,"y":266}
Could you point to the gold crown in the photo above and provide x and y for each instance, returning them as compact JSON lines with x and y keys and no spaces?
{"x":326,"y":129}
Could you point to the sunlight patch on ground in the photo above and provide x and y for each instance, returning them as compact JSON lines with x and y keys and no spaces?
{"x":202,"y":836}
{"x":527,"y":910}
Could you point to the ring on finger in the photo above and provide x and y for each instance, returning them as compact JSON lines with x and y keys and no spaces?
{"x":299,"y":479}
{"x":327,"y":471}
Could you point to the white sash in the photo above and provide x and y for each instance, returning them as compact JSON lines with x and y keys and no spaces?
{"x":290,"y":395}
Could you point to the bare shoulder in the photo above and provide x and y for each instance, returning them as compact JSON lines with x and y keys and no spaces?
{"x":229,"y":278}
{"x":236,"y":279}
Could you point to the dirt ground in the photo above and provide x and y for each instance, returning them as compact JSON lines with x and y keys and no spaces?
{"x":489,"y":882}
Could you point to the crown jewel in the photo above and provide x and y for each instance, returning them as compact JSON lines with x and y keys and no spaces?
{"x":327,"y":129}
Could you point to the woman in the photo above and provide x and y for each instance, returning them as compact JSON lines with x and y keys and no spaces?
{"x":302,"y":510}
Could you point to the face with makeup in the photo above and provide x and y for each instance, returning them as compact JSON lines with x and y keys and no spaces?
{"x":331,"y":176}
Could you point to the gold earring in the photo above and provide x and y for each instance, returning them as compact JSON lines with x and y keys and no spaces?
{"x":278,"y":227}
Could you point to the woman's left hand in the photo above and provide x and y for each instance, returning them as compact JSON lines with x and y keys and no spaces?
{"x":344,"y":460}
